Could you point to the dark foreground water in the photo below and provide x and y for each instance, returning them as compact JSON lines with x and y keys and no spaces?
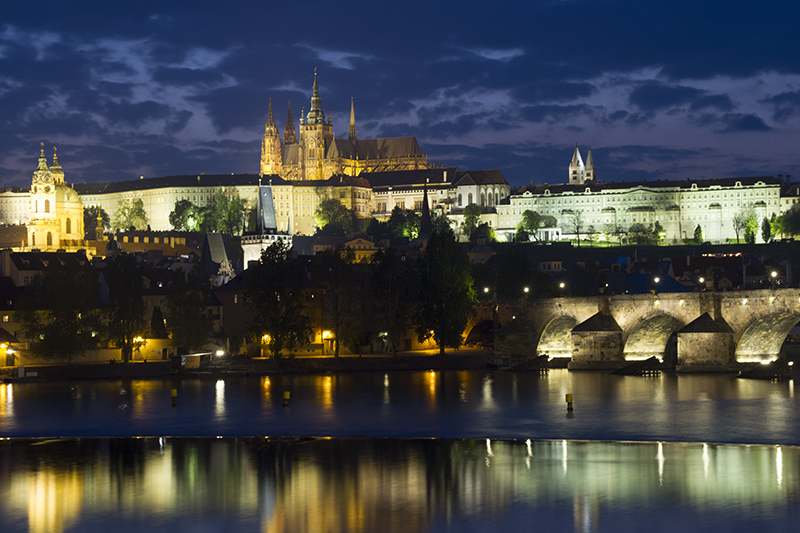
{"x":506,"y":456}
{"x":385,"y":485}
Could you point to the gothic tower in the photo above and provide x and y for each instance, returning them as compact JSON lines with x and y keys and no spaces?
{"x":289,"y":135}
{"x":316,"y":135}
{"x":590,"y":171}
{"x":352,"y":133}
{"x":577,"y":172}
{"x":270,"y":146}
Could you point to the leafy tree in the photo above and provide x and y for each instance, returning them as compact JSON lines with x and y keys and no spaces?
{"x":333,"y":270}
{"x":131,"y":214}
{"x":472,"y":216}
{"x":614,"y":232}
{"x":274,"y":296}
{"x":698,"y":235}
{"x":447,"y":294}
{"x":751,"y":228}
{"x":486,"y":230}
{"x":404,"y":223}
{"x":766,"y":230}
{"x":659,"y":233}
{"x":395,"y":286}
{"x":60,"y":313}
{"x":182,"y":217}
{"x":531,"y":221}
{"x":158,"y":329}
{"x":332,"y":212}
{"x":90,"y":215}
{"x":640,"y":234}
{"x":440,"y":222}
{"x":521,"y":235}
{"x":126,"y":304}
{"x":591,"y":234}
{"x":234,"y":216}
{"x":188,"y":321}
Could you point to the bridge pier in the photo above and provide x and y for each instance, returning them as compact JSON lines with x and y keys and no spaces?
{"x":706,"y":345}
{"x":597,"y":344}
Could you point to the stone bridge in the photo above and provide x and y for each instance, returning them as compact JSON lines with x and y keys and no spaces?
{"x":698,"y":331}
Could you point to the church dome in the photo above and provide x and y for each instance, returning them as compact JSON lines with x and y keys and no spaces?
{"x":66,"y":194}
{"x":113,"y":246}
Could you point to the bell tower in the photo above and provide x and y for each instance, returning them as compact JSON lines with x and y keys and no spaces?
{"x":316,"y":135}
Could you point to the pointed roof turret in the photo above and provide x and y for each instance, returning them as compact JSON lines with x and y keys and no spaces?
{"x":589,"y":160}
{"x":42,"y":173}
{"x":425,"y":227}
{"x":55,"y":170}
{"x":270,"y":116}
{"x":352,"y":132}
{"x":42,"y":160}
{"x":576,"y":156}
{"x":289,"y":135}
{"x":315,"y":115}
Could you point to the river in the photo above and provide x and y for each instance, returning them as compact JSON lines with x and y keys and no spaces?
{"x":691,"y":451}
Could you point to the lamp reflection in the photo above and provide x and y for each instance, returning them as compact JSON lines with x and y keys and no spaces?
{"x":266,"y":389}
{"x":6,"y":400}
{"x":219,"y":399}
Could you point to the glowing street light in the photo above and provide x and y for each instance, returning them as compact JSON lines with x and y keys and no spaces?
{"x":526,"y":289}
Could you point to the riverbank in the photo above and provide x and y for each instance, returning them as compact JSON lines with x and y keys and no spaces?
{"x":422,"y":360}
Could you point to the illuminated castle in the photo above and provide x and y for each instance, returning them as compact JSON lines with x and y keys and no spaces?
{"x":56,"y":210}
{"x":318,"y":155}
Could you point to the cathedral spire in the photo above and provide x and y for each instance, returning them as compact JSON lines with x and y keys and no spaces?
{"x":289,"y":135}
{"x":577,"y":172}
{"x":315,"y":115}
{"x":352,"y":133}
{"x":590,"y":171}
{"x":270,"y":116}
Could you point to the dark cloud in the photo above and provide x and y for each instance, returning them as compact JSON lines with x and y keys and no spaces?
{"x":554,"y":113}
{"x":653,"y":96}
{"x":721,"y":102}
{"x":786,"y":105}
{"x":136,"y":114}
{"x":737,"y":122}
{"x":552,"y":91}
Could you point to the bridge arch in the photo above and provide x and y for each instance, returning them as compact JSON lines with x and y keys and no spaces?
{"x":650,"y":336}
{"x":763,"y":337}
{"x":556,"y":338}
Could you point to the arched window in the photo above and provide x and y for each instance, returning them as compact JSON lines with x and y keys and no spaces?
{"x":483,"y":199}
{"x":33,"y":240}
{"x":47,"y":206}
{"x":496,"y":198}
{"x":49,"y":239}
{"x":459,"y":200}
{"x":69,"y":226}
{"x":469,"y":199}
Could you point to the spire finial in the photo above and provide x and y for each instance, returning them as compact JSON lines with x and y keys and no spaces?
{"x":352,"y":133}
{"x":55,"y":155}
{"x":42,"y":150}
{"x":270,"y":116}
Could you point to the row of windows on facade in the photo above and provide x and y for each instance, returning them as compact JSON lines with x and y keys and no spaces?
{"x":494,"y":199}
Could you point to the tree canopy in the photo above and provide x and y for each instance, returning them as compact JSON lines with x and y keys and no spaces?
{"x":274,"y":297}
{"x":331,"y":212}
{"x":131,"y":214}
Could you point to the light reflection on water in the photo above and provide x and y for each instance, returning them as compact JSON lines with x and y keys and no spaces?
{"x":474,"y":404}
{"x":393,"y":485}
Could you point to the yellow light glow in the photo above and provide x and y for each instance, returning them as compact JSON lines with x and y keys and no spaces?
{"x":326,"y":334}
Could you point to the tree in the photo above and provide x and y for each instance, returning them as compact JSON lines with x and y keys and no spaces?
{"x":188,"y":321}
{"x":60,"y":313}
{"x":521,"y":235}
{"x":472,"y":216}
{"x":640,"y":234}
{"x":575,"y":224}
{"x":739,"y":222}
{"x":130,"y":214}
{"x":90,"y":215}
{"x":182,"y":217}
{"x":487,"y":231}
{"x":750,"y":228}
{"x":698,"y":235}
{"x":447,"y":294}
{"x":440,"y":222}
{"x":274,"y":296}
{"x":233,"y":218}
{"x":614,"y":232}
{"x":395,"y":286}
{"x":659,"y":233}
{"x":333,"y":270}
{"x":126,"y":303}
{"x":158,"y":328}
{"x":332,"y":212}
{"x":766,"y":230}
{"x":531,"y":221}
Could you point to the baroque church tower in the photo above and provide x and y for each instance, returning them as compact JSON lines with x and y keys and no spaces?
{"x":56,"y":212}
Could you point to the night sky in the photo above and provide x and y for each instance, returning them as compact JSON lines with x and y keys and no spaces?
{"x":660,"y":90}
